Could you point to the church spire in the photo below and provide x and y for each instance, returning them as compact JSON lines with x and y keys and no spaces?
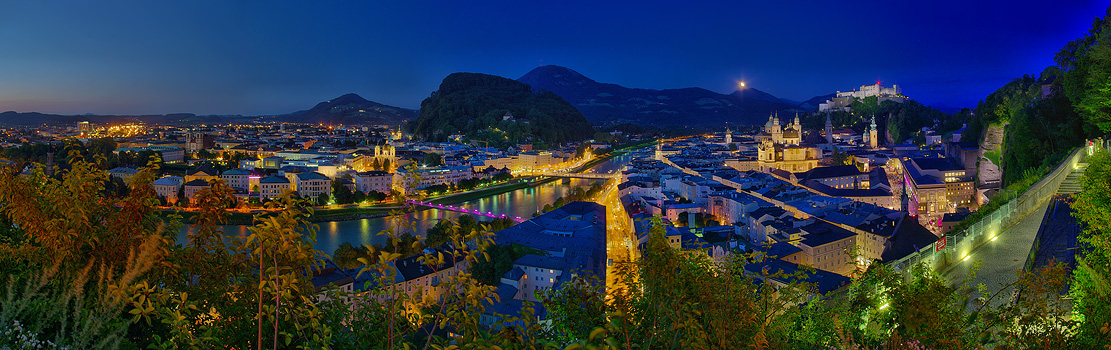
{"x":829,"y":129}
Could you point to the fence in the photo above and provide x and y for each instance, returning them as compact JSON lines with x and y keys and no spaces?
{"x":955,"y":246}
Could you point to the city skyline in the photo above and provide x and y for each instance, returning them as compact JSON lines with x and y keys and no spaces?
{"x":214,"y":58}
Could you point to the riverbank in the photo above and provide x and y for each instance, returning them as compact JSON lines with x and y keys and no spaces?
{"x":319,"y":215}
{"x":360,"y":212}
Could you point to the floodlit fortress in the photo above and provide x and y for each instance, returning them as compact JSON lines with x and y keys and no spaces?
{"x":844,"y":99}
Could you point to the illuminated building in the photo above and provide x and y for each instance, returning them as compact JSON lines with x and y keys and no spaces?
{"x":936,"y":186}
{"x":782,"y":149}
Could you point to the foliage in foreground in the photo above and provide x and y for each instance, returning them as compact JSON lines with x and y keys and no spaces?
{"x":108,"y":276}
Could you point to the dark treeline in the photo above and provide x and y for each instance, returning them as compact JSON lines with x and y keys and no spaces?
{"x":901,"y":121}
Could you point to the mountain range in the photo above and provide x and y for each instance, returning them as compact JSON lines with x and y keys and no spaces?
{"x":600,"y":103}
{"x":349,"y":109}
{"x":607,"y":104}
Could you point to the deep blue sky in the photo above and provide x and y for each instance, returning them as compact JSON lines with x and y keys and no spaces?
{"x":223,"y":57}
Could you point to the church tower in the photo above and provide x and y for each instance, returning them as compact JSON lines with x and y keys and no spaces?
{"x":829,"y":130}
{"x":873,"y":138}
{"x":728,"y":136}
{"x":797,"y":125}
{"x":777,"y":130}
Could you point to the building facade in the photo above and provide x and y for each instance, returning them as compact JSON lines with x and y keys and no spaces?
{"x":377,"y":181}
{"x":273,"y":186}
{"x":936,"y":186}
{"x":312,"y":184}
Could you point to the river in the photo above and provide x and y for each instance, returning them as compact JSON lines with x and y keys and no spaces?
{"x":523,"y":202}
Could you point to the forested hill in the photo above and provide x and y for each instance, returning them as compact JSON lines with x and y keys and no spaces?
{"x":1047,"y":115}
{"x":475,"y":105}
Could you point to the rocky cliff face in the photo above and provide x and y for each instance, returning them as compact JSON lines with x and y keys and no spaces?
{"x":990,"y":174}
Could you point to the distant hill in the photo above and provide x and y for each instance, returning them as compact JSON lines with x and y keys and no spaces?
{"x":475,"y":106}
{"x":606,"y":104}
{"x":351,"y":109}
{"x":813,"y":102}
{"x":35,"y":118}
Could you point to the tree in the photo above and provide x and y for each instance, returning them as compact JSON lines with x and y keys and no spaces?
{"x":1092,"y":280}
{"x":375,"y":196}
{"x":1086,"y":63}
{"x":323,"y":199}
{"x":205,"y":154}
{"x":181,"y":200}
{"x":342,"y":194}
{"x":347,"y":256}
{"x":839,"y":157}
{"x":576,"y":309}
{"x":432,"y":159}
{"x":82,"y":263}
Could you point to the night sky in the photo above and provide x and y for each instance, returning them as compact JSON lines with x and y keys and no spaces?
{"x":222,"y":57}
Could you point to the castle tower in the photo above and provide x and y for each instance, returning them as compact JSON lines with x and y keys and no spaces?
{"x":659,"y":151}
{"x":873,"y":138}
{"x":829,"y":130}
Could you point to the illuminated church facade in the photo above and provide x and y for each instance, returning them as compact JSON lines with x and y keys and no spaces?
{"x":781,"y":147}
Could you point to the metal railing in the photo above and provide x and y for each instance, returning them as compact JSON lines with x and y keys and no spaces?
{"x":958,"y":245}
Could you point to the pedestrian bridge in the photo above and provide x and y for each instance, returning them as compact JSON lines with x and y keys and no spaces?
{"x":465,"y":210}
{"x":615,"y":175}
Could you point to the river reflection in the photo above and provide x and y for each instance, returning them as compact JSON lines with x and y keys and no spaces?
{"x":523,"y":202}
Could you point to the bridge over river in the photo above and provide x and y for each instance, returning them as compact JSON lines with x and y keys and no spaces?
{"x":467,"y":211}
{"x":595,"y":176}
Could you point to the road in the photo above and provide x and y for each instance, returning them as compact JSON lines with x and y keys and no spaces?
{"x":620,"y":238}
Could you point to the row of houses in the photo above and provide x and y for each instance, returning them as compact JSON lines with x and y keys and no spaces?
{"x":303,"y":181}
{"x":816,"y":218}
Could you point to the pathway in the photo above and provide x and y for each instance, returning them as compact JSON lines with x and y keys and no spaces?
{"x":1004,"y":257}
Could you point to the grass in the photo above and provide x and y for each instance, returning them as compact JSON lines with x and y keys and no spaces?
{"x":995,"y":157}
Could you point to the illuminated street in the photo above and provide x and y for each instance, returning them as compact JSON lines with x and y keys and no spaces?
{"x":620,"y":237}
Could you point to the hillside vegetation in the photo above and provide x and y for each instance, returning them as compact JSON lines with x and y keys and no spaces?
{"x":473,"y":105}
